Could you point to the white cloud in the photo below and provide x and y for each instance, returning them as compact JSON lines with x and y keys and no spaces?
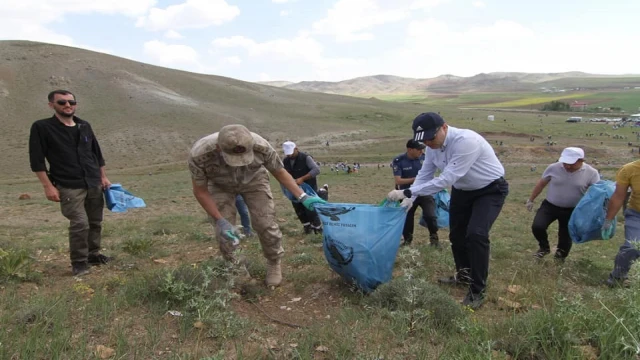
{"x":190,"y":14}
{"x":264,"y":77}
{"x":282,"y":1}
{"x":232,"y":60}
{"x":479,"y":4}
{"x":285,"y":12}
{"x":170,"y":54}
{"x":172,"y":34}
{"x":353,"y":20}
{"x":29,"y":19}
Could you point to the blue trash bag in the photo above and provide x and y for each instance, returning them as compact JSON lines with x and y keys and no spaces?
{"x":119,"y":200}
{"x":588,"y":216}
{"x":305,"y":187}
{"x":361,"y":241}
{"x":442,"y":200}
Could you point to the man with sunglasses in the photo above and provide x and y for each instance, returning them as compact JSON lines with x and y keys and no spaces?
{"x":75,"y":178}
{"x":236,"y":161}
{"x":469,"y":165}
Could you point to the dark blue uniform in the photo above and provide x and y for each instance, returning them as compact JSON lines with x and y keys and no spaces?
{"x":408,"y":168}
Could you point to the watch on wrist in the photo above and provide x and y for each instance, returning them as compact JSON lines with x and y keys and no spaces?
{"x":302,"y":196}
{"x":407,"y":193}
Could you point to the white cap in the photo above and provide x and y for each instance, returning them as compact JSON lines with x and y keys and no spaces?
{"x":288,"y":147}
{"x":571,"y":155}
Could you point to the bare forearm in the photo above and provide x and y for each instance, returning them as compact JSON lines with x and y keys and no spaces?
{"x":206,"y":201}
{"x":44,"y":179}
{"x":537,"y":190}
{"x":103,"y":172}
{"x":287,"y":181}
{"x":615,"y":203}
{"x":407,"y":181}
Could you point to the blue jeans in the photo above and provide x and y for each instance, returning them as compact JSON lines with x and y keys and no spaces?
{"x":244,"y":214}
{"x":630,"y":250}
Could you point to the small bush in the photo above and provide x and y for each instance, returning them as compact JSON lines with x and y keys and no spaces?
{"x":138,"y":247}
{"x":15,"y":265}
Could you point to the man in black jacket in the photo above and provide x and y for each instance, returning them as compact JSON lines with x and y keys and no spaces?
{"x":76,"y":176}
{"x":303,"y":169}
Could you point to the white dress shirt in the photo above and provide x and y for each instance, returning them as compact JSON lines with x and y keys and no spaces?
{"x":466,"y":160}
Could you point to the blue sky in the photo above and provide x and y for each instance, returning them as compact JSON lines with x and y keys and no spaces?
{"x":296,"y":40}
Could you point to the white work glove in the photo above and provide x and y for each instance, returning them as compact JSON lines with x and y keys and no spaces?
{"x":529,"y":205}
{"x":407,"y":203}
{"x":396,"y":195}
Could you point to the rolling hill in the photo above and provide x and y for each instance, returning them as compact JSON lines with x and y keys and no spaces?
{"x":145,"y":115}
{"x":446,"y":84}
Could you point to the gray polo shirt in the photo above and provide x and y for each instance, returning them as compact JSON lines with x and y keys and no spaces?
{"x":566,"y":188}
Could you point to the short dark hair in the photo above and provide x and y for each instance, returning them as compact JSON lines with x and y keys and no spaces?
{"x":52,"y":94}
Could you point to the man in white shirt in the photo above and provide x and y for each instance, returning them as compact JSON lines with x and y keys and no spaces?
{"x":568,"y":180}
{"x":469,"y":165}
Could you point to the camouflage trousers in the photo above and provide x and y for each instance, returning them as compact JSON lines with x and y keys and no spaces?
{"x":259,"y":199}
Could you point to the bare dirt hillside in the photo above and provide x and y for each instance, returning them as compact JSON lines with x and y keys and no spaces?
{"x":145,"y":114}
{"x":491,"y":82}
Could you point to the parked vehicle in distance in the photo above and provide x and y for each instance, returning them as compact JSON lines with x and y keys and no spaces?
{"x":574,"y":119}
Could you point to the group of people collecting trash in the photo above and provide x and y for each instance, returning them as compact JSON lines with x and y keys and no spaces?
{"x":236,"y":162}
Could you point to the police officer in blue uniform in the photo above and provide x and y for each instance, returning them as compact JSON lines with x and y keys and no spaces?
{"x":405,"y":168}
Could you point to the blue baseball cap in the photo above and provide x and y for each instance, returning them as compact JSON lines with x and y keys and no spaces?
{"x":425,"y":126}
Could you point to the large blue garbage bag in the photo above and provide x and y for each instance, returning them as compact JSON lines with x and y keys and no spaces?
{"x":119,"y":200}
{"x":442,"y":200}
{"x":588,"y":216}
{"x":305,"y":187}
{"x":361,"y":241}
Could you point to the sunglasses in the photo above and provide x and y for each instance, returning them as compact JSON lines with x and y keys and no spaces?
{"x":64,"y":102}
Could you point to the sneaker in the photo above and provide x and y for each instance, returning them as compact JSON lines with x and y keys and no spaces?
{"x":98,"y":259}
{"x":559,"y":256}
{"x":274,"y":273}
{"x":317,"y":230}
{"x":79,"y":269}
{"x":307,"y":229}
{"x":474,"y":301}
{"x":452,"y":280}
{"x":541,"y":253}
{"x":434,"y":241}
{"x":617,"y":283}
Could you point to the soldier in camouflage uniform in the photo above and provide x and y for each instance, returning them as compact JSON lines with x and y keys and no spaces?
{"x":235,"y":161}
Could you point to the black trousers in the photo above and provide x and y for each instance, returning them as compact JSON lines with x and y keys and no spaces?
{"x":306,"y":216}
{"x":546,"y":214}
{"x":471,"y":215}
{"x":428,"y":206}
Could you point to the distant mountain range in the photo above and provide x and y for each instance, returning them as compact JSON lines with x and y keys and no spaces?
{"x":491,"y":82}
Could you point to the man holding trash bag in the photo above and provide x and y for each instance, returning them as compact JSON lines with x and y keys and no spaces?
{"x":405,"y":168}
{"x":76,"y":176}
{"x":303,"y":169}
{"x":568,"y":180}
{"x":235,"y":161}
{"x":628,"y":177}
{"x":469,"y":165}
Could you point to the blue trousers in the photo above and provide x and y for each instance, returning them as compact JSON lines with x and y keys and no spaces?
{"x":630,"y":250}
{"x":244,"y":214}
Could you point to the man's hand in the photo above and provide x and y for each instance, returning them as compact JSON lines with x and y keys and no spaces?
{"x":228,"y":232}
{"x":309,"y":202}
{"x":529,"y":205}
{"x":396,"y":195}
{"x":299,"y":181}
{"x":52,"y":193}
{"x":407,"y":203}
{"x":607,"y":229}
{"x":105,"y":183}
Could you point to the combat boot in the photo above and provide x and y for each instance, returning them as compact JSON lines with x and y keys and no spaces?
{"x":274,"y":273}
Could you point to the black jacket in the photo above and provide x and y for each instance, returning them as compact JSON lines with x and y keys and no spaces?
{"x":300,"y":169}
{"x":70,"y":165}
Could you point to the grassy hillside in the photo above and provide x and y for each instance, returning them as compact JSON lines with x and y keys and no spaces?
{"x":145,"y":115}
